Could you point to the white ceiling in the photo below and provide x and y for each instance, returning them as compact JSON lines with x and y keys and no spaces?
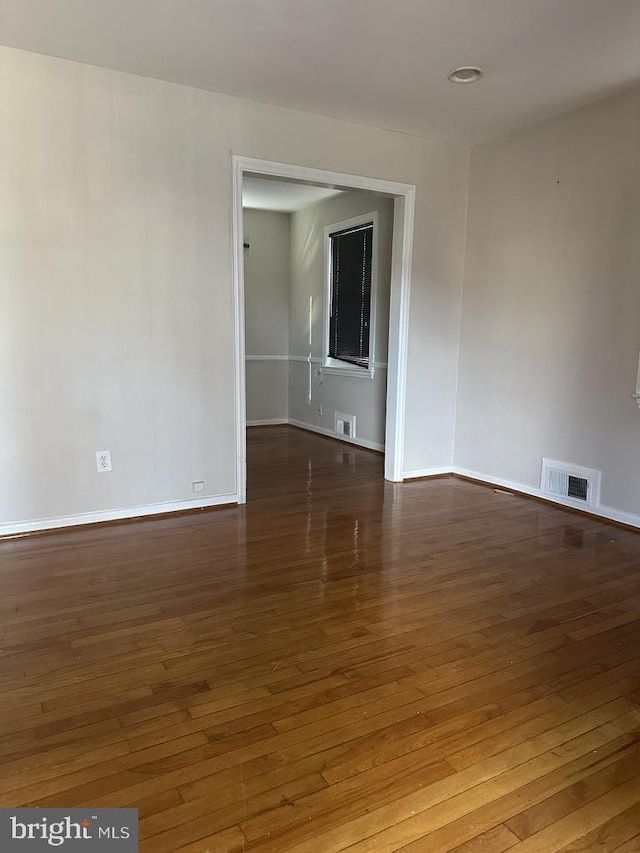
{"x":381,"y":62}
{"x":282,"y":196}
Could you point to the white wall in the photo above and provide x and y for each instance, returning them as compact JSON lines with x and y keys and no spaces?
{"x":551,"y":320}
{"x":116,"y":329}
{"x":266,"y":290}
{"x":362,"y":397}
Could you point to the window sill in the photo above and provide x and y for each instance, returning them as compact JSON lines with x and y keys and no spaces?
{"x":333,"y":367}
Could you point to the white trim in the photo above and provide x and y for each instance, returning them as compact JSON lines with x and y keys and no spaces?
{"x":13,"y":528}
{"x":239,"y":366}
{"x":268,"y":422}
{"x":603,"y":511}
{"x":305,"y":359}
{"x":320,"y":176}
{"x":417,"y":473}
{"x":361,"y":442}
{"x":404,"y":211}
{"x":399,"y":305}
{"x":267,"y":358}
{"x":379,"y":365}
{"x":333,"y":365}
{"x":352,"y":371}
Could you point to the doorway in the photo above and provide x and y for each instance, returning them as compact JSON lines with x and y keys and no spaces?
{"x":399,"y":199}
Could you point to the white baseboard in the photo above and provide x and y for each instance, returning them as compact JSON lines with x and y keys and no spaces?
{"x":268,"y":422}
{"x":360,"y":442}
{"x":18,"y":527}
{"x":416,"y":474}
{"x":606,"y":512}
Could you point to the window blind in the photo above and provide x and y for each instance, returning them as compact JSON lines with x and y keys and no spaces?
{"x":349,"y":323}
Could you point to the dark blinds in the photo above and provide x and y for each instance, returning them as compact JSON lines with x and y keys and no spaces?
{"x":351,"y":254}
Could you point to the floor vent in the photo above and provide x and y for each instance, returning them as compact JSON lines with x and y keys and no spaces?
{"x":344,"y":425}
{"x":564,"y":480}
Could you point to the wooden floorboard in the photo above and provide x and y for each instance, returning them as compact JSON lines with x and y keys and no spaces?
{"x":342,"y":664}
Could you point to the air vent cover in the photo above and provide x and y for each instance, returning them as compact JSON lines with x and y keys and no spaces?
{"x":578,"y":488}
{"x":572,"y":482}
{"x":344,"y":424}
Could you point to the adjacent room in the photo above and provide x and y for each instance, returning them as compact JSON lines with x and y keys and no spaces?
{"x":319,"y":410}
{"x":302,"y":246}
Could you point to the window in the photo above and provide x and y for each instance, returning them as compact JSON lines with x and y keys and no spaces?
{"x":351,"y":270}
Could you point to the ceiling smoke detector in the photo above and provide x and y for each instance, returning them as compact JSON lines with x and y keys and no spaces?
{"x":465,"y":74}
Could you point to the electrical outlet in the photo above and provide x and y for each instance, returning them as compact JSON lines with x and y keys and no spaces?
{"x":320,"y":410}
{"x":103,"y":460}
{"x":197,"y":486}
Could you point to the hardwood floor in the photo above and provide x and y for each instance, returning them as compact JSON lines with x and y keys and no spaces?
{"x":343,"y":664}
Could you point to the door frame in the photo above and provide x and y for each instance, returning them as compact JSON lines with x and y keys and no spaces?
{"x":403,"y":224}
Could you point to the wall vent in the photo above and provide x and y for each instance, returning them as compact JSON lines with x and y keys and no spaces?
{"x":573,"y":482}
{"x":344,"y":424}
